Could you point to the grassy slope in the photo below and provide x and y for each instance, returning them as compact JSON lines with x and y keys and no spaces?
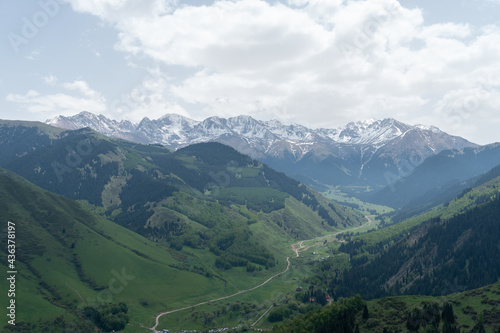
{"x":390,"y":312}
{"x":101,"y":247}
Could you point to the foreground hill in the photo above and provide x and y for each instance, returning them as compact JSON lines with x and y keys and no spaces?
{"x":471,"y":311}
{"x":69,"y":258}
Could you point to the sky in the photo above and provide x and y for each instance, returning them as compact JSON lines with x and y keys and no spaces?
{"x":319,"y":63}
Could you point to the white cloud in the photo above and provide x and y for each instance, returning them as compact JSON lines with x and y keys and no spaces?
{"x":50,"y":80}
{"x":151,"y":97}
{"x":228,"y":36}
{"x":446,"y":30}
{"x":117,"y":10}
{"x":82,"y":87}
{"x":323,"y":61}
{"x":50,"y":105}
{"x":33,"y":55}
{"x":478,"y":98}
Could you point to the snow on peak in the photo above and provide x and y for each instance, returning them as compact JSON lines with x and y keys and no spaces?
{"x":175,"y":131}
{"x":54,"y":121}
{"x":431,"y":128}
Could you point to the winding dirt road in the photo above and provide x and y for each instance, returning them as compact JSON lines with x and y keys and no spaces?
{"x":220,"y":298}
{"x":296,"y":248}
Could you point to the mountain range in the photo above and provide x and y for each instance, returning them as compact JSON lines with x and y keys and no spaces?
{"x":205,"y":222}
{"x":372,"y":152}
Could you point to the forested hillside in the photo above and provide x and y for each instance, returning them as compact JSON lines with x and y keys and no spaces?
{"x":453,"y":244}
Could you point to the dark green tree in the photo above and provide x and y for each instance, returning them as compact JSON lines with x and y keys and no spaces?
{"x":366,"y":314}
{"x":431,"y":314}
{"x":413,"y":321}
{"x":447,"y":314}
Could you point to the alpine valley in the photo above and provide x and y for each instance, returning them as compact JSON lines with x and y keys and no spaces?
{"x":176,"y":225}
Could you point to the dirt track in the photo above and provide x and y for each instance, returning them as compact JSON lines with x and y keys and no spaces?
{"x":220,"y":298}
{"x":296,"y":248}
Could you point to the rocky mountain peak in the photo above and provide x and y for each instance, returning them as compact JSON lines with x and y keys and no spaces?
{"x":356,"y":144}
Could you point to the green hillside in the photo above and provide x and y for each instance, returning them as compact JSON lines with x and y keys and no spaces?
{"x":456,"y":242}
{"x":450,"y":250}
{"x":68,"y":258}
{"x":468,"y":199}
{"x":117,"y":233}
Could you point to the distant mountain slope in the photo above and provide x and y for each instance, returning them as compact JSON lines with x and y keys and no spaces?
{"x":35,"y":136}
{"x":438,"y":175}
{"x":442,"y":195}
{"x":359,"y":153}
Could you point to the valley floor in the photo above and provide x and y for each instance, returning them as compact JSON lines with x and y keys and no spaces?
{"x":297,"y":248}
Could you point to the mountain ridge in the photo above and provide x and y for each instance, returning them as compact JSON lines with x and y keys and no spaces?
{"x":370,"y":132}
{"x":360,"y":153}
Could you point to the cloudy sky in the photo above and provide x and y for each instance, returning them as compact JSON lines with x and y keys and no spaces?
{"x":320,"y":63}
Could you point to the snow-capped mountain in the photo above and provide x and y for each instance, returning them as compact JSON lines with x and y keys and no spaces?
{"x":360,"y":152}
